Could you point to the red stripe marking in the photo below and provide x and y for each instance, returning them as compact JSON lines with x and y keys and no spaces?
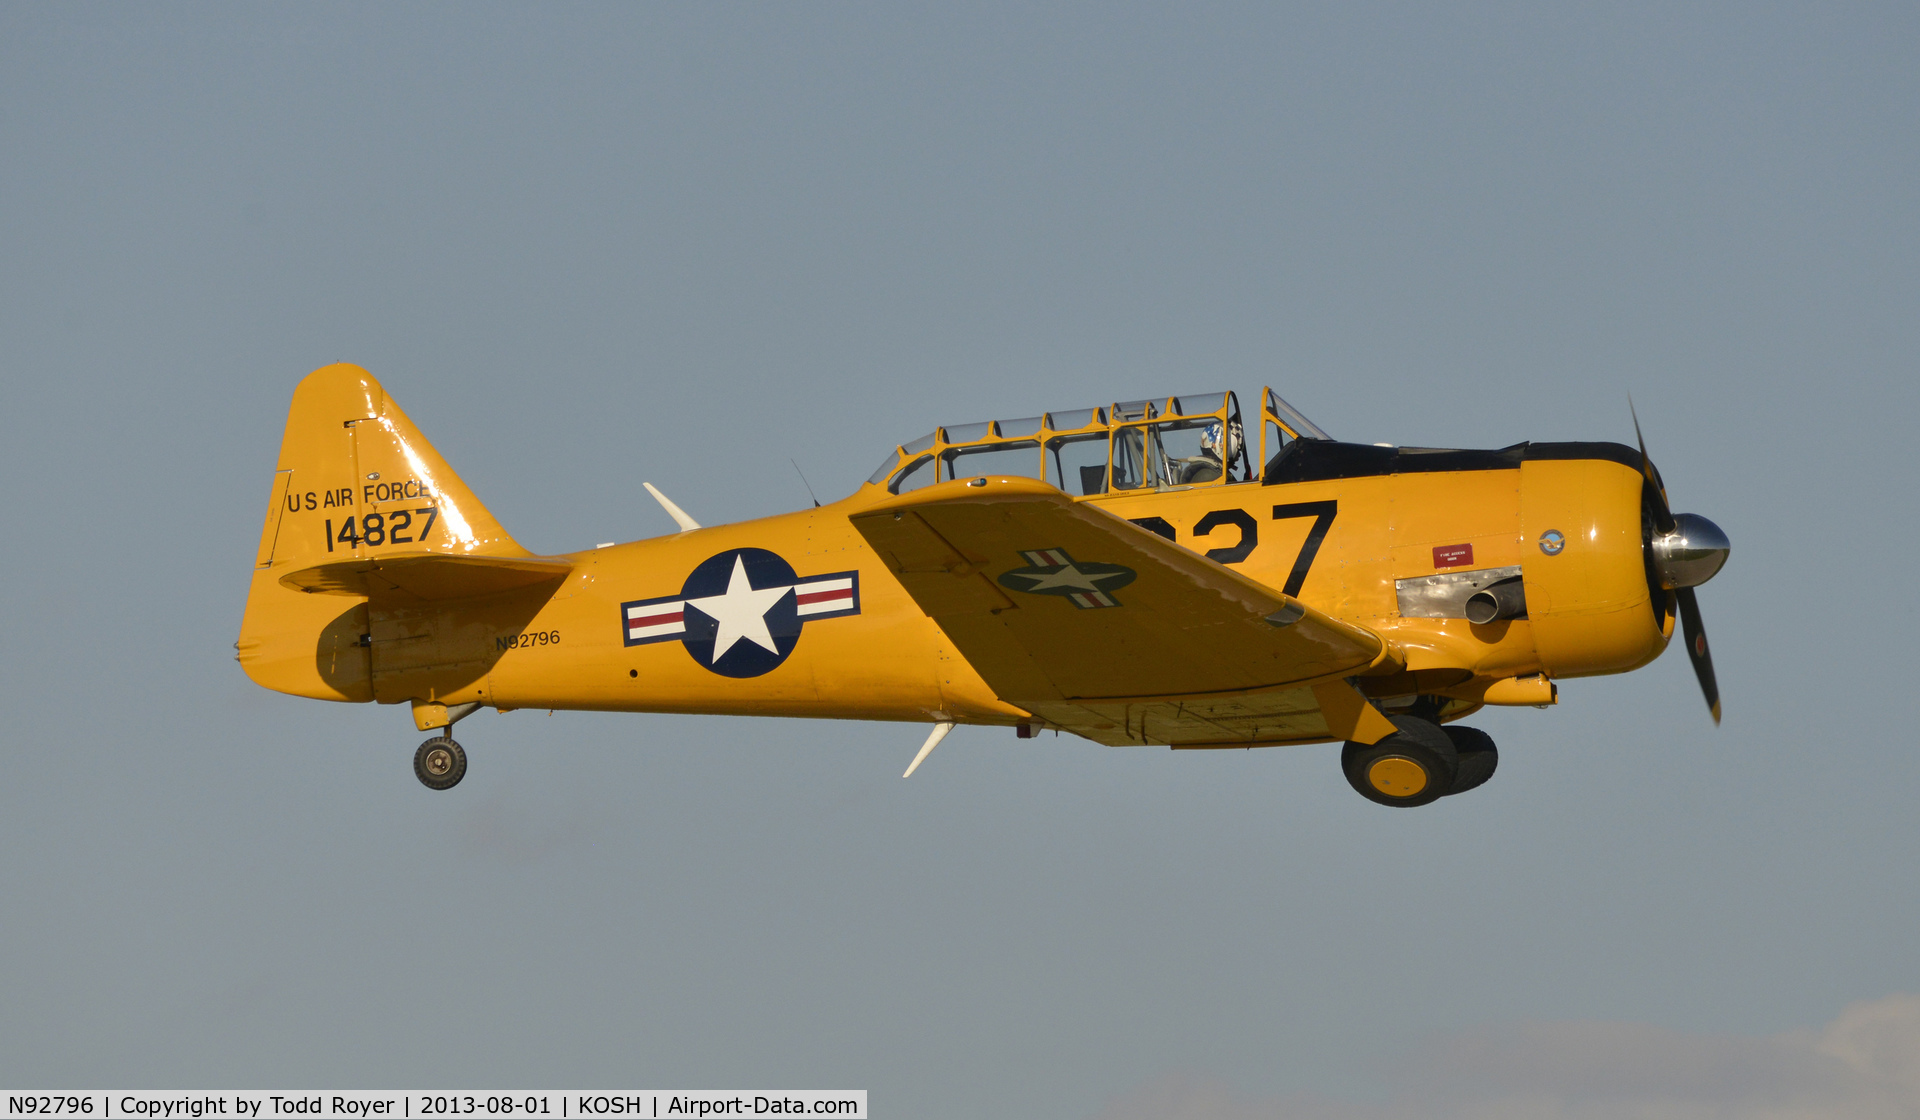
{"x":656,"y":619}
{"x":823,"y":596}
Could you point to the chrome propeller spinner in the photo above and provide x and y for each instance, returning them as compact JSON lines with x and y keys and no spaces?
{"x":1686,"y":551}
{"x":1691,"y":553}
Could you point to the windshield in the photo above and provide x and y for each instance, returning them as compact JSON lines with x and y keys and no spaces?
{"x":1292,"y":418}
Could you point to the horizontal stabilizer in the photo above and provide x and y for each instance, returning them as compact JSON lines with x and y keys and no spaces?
{"x":427,"y":575}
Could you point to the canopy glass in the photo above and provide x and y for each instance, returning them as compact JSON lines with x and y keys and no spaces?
{"x":1161,"y":443}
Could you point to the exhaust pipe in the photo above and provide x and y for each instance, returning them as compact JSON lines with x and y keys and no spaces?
{"x":1505,"y":599}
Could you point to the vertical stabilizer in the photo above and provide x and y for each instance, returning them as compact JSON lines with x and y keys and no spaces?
{"x":355,"y":479}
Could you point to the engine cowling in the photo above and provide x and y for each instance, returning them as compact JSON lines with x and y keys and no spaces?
{"x":1585,"y":562}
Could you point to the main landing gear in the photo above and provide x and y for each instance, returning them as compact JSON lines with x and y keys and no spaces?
{"x":1419,"y":763}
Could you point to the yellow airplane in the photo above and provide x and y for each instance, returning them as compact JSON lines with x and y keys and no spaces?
{"x":1123,"y":573}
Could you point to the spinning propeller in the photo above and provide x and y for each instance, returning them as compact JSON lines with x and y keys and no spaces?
{"x":1685,"y":551}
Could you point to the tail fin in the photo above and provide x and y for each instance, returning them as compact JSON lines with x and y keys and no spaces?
{"x":356,"y":481}
{"x":355,"y":475}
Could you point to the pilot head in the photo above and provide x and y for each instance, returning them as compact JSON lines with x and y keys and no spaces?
{"x":1211,"y":443}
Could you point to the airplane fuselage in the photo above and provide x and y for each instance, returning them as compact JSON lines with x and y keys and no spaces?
{"x":1566,"y":517}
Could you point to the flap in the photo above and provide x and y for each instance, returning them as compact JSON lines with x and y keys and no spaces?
{"x":1333,"y":710}
{"x":426,"y":575}
{"x":1054,"y":601}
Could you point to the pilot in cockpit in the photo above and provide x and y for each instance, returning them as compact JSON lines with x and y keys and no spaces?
{"x":1214,"y":451}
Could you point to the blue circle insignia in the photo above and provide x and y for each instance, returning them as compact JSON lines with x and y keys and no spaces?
{"x":742,"y":601}
{"x":740,"y":612}
{"x":1552,"y":541}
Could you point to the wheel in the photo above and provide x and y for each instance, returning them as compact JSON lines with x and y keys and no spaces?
{"x":440,"y":763}
{"x":1477,"y":754}
{"x":1413,"y":766}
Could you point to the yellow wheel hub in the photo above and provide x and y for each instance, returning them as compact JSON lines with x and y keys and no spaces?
{"x":1397,"y":777}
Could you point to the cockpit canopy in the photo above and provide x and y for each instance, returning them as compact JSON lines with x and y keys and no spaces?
{"x":1166,"y":442}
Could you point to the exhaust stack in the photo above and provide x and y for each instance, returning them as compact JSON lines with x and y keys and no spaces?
{"x":1505,"y":599}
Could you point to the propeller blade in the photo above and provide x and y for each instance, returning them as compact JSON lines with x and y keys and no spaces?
{"x":1697,"y":652}
{"x":1692,"y":631}
{"x":1662,"y":512}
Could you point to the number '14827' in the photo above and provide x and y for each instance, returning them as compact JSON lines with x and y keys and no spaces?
{"x":376,"y":529}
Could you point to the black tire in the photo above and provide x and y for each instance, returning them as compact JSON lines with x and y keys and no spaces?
{"x":1413,"y":766}
{"x":440,"y":763}
{"x":1477,"y":754}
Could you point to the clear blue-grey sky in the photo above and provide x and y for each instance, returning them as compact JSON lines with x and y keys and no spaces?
{"x":589,"y":245}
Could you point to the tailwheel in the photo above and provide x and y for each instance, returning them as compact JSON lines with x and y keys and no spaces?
{"x":440,"y":763}
{"x":1416,"y":765}
{"x":1477,"y":757}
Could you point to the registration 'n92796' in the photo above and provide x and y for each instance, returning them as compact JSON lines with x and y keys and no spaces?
{"x":50,"y":1106}
{"x":527,"y":639}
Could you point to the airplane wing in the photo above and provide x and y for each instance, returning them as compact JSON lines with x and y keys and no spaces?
{"x":1110,"y":631}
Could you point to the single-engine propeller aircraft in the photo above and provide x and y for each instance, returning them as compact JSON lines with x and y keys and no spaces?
{"x":1143,"y":573}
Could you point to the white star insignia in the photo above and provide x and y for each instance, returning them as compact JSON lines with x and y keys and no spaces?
{"x":741,"y":612}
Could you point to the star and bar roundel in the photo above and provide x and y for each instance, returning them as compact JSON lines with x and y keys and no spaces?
{"x":739,"y":613}
{"x":1085,"y":584}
